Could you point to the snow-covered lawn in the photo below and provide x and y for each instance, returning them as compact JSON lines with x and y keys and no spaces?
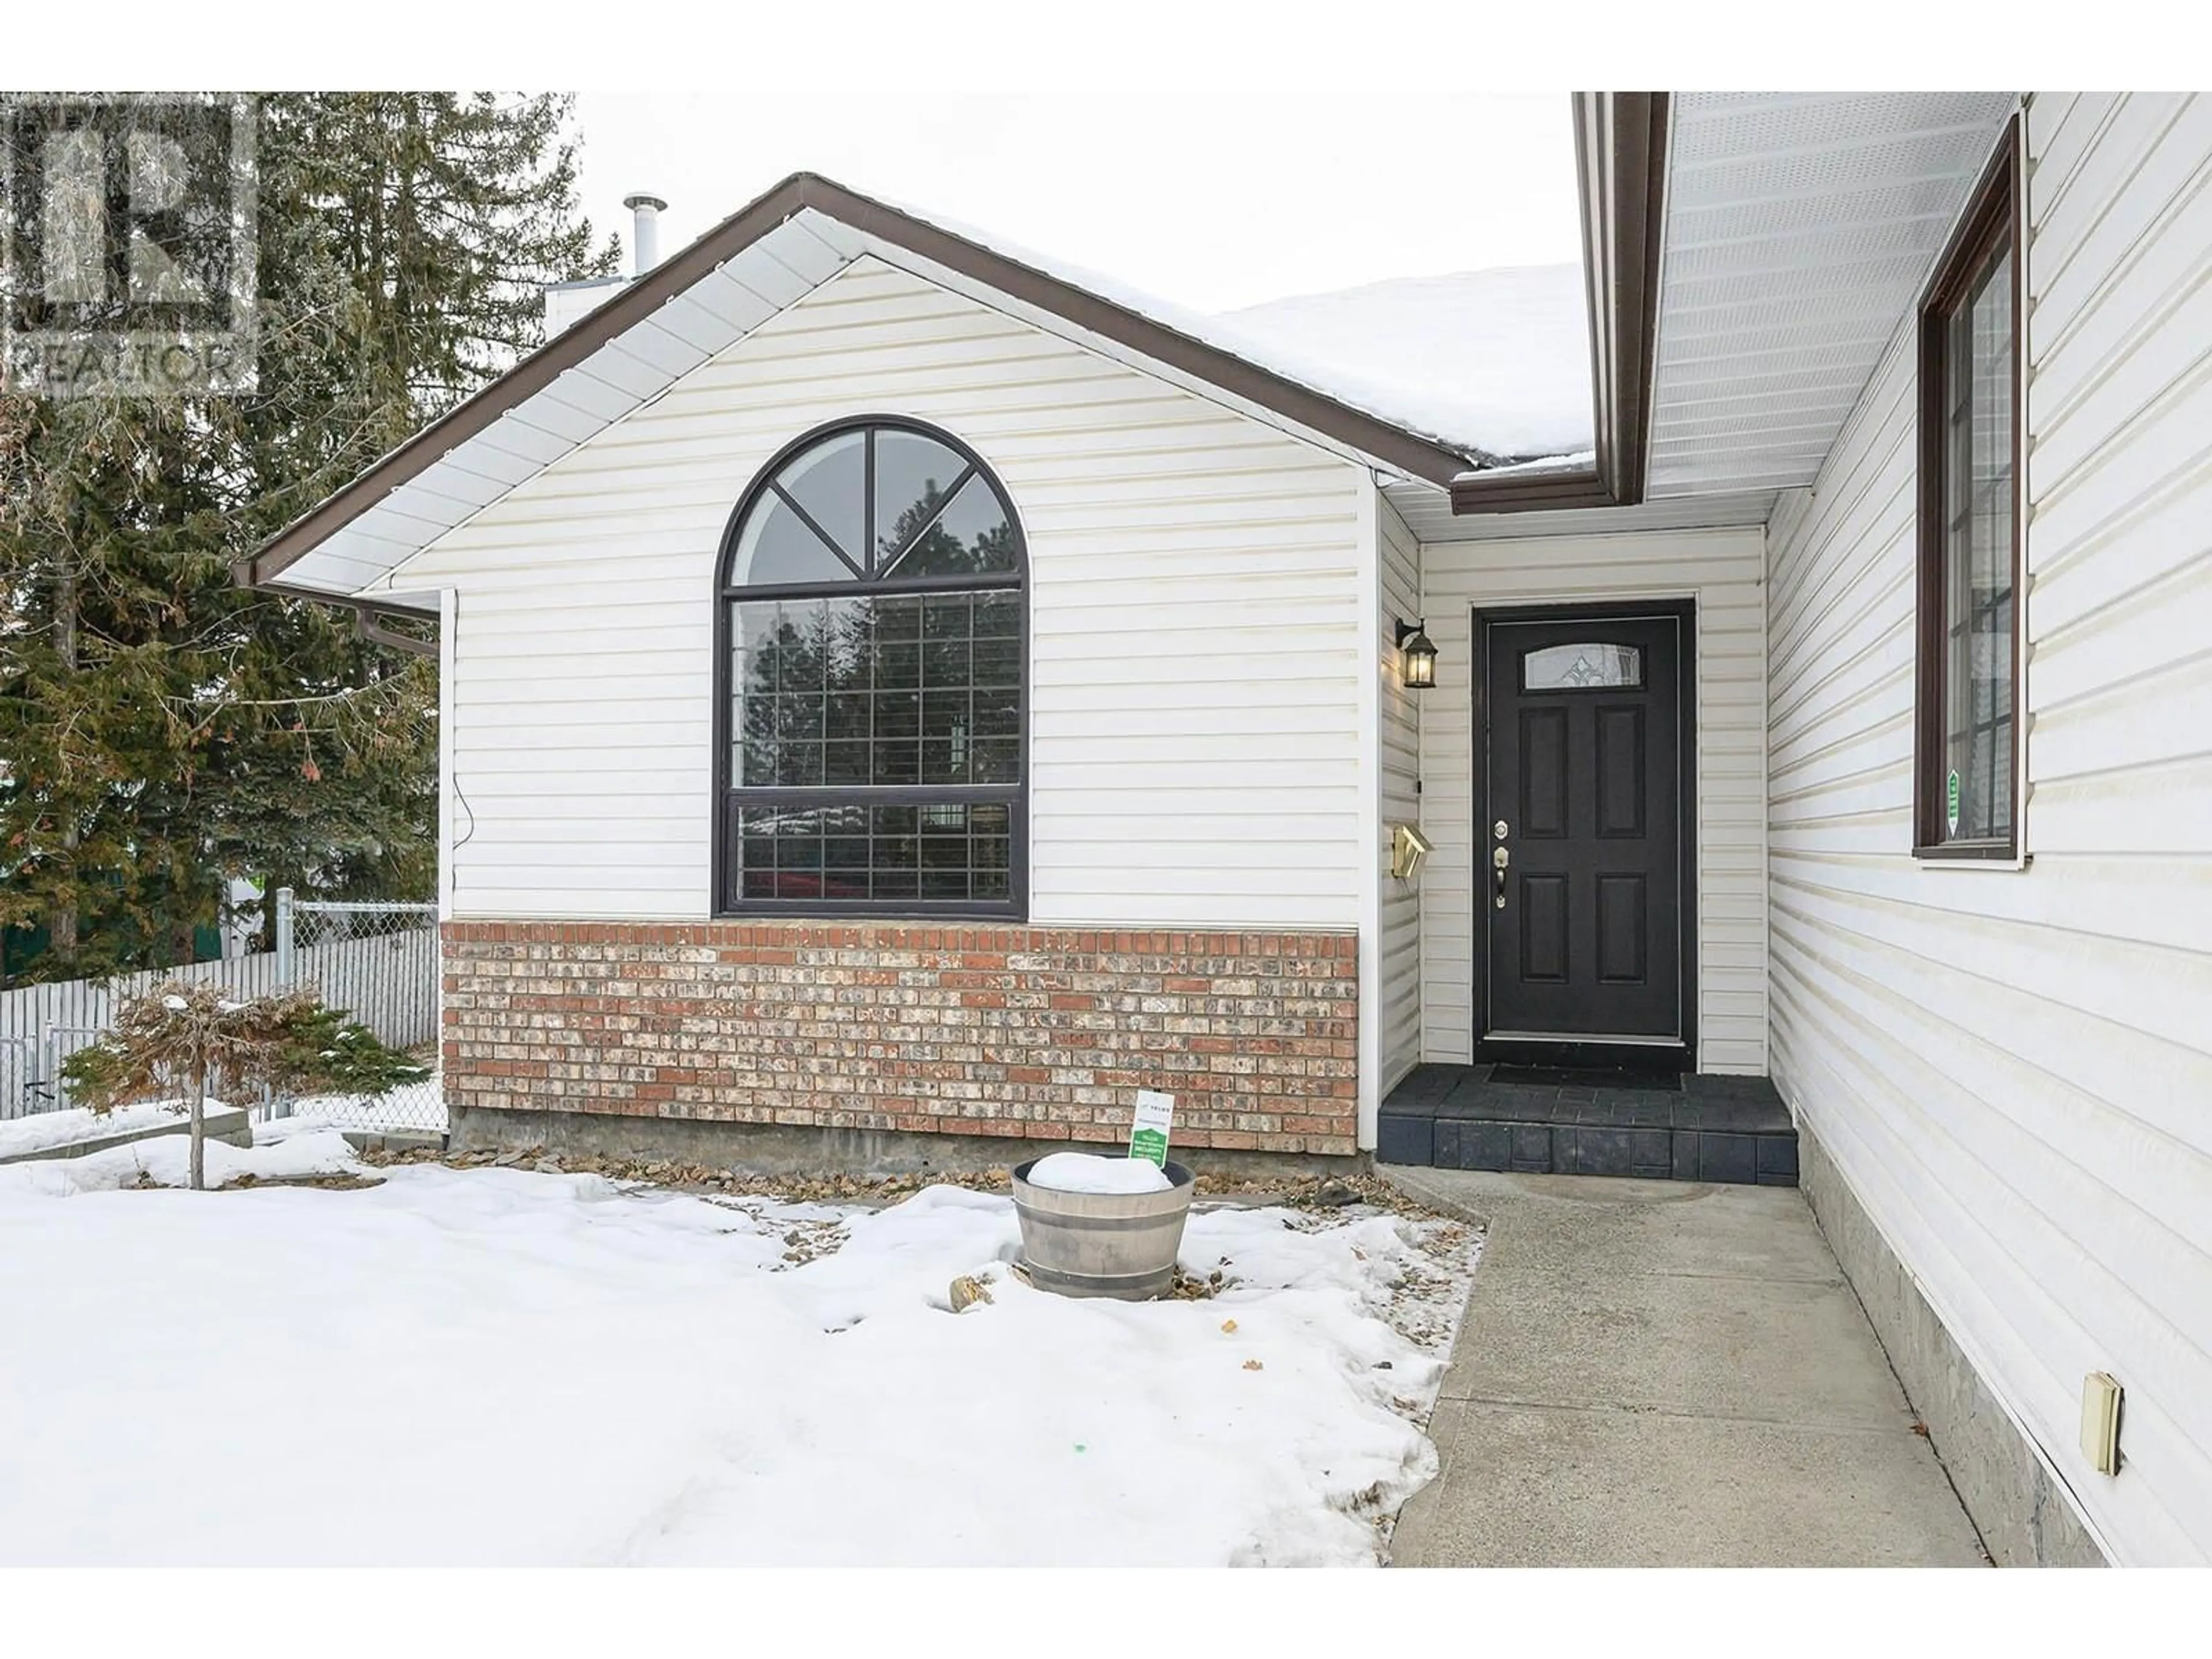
{"x":42,"y":1131}
{"x":494,"y":1365}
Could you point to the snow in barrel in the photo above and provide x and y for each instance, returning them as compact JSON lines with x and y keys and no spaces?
{"x":1109,"y":1225}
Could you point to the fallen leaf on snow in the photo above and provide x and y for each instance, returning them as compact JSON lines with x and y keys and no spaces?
{"x":1228,"y":1324}
{"x":1253,"y":1365}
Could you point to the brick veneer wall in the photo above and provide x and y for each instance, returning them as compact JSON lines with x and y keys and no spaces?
{"x":1041,"y":1032}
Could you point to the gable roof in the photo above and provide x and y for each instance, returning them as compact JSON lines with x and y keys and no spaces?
{"x":641,"y":341}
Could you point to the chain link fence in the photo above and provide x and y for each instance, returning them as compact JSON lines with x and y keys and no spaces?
{"x":379,"y":961}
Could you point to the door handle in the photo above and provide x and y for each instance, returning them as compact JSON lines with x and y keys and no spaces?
{"x":1499,"y":857}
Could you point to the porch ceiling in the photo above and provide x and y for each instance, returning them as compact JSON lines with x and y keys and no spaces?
{"x":1428,"y":514}
{"x":1799,"y":228}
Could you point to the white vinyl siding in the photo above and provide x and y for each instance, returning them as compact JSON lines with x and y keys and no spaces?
{"x":1400,"y":997}
{"x":1721,"y":569}
{"x":2013,"y":1067}
{"x":1196,"y":613}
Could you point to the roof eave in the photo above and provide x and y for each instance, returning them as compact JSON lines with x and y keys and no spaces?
{"x":1356,"y":430}
{"x":631,"y":304}
{"x":1620,"y":160}
{"x":406,"y":604}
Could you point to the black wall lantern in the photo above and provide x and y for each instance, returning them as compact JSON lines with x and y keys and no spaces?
{"x":1419,"y":653}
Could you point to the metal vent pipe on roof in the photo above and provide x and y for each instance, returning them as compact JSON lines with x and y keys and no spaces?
{"x":646,"y":209}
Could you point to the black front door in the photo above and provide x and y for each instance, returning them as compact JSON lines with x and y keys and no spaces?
{"x":1581,"y":867}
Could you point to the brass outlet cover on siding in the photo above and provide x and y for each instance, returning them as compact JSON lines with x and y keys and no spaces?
{"x":2100,"y":1422}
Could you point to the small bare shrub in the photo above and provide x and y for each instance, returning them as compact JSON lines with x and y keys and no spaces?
{"x":192,"y":1037}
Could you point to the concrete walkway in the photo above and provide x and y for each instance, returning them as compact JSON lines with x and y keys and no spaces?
{"x":1668,"y":1374}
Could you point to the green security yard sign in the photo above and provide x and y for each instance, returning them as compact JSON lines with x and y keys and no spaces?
{"x":1950,"y":804}
{"x":1148,"y":1138}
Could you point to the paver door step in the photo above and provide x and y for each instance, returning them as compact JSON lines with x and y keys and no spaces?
{"x":1533,"y":1121}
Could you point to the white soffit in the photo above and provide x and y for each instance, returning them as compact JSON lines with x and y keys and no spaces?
{"x":368,"y":554}
{"x":1799,"y":227}
{"x":625,"y":373}
{"x":1427,"y":512}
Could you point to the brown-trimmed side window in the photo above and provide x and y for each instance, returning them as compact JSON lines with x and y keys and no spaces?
{"x":1966,"y":763}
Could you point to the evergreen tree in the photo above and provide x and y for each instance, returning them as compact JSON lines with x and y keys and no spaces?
{"x":161,"y":730}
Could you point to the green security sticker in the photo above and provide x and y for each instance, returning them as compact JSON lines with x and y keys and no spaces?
{"x":1950,"y":804}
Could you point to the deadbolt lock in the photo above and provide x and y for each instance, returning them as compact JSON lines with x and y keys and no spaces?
{"x":1499,"y":829}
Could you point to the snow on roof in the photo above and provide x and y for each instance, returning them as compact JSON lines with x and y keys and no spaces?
{"x":1497,"y":360}
{"x":1496,"y":363}
{"x":1575,"y":460}
{"x":1426,"y":375}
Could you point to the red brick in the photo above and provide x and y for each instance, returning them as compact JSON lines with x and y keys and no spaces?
{"x":942,"y":1037}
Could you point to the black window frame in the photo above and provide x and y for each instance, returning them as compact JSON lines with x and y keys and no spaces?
{"x":1995,"y":216}
{"x":729,"y":797}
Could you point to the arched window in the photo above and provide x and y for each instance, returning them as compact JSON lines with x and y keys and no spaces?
{"x":872,"y":644}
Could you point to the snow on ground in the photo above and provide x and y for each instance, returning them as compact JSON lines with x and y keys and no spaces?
{"x":42,"y":1130}
{"x":166,"y":1162}
{"x":500,"y":1366}
{"x":414,"y":1108}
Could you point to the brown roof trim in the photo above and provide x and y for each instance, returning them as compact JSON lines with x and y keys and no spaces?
{"x":1356,"y":429}
{"x":1541,"y":492}
{"x":1620,"y":156}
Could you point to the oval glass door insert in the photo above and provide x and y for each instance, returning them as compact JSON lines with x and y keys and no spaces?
{"x":1582,"y":667}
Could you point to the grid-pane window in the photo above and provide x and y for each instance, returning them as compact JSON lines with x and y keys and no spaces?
{"x":872,"y":686}
{"x":954,"y":853}
{"x":1977,"y":535}
{"x":876,"y":688}
{"x":1967,"y":739}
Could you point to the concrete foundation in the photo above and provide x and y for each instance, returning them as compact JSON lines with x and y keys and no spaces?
{"x":2023,"y":1515}
{"x":795,"y":1149}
